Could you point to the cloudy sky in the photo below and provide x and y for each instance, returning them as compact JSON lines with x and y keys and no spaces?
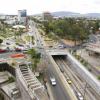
{"x":38,"y":6}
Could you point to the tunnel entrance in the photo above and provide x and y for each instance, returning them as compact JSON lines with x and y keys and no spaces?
{"x":59,"y":60}
{"x":59,"y":57}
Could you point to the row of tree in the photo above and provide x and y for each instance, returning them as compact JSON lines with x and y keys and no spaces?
{"x":71,"y":28}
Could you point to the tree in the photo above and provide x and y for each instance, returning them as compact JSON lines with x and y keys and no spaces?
{"x":1,"y":41}
{"x":35,"y":58}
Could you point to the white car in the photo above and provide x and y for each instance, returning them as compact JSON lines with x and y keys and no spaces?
{"x":80,"y":97}
{"x":61,"y":46}
{"x":53,"y":81}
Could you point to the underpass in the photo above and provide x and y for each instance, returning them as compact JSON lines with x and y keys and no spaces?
{"x":79,"y":84}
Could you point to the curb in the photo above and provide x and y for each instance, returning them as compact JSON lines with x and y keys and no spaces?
{"x":49,"y":91}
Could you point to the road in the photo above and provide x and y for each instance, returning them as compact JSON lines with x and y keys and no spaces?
{"x":78,"y":83}
{"x":58,"y":91}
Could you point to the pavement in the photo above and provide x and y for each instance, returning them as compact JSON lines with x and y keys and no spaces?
{"x":49,"y":91}
{"x":94,"y":61}
{"x":3,"y":77}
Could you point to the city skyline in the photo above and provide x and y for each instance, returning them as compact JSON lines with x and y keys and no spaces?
{"x":37,"y":6}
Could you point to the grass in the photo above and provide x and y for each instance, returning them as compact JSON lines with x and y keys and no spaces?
{"x":27,"y":38}
{"x":98,"y":77}
{"x":1,"y":96}
{"x":85,"y":63}
{"x":18,"y":41}
{"x":40,"y":77}
{"x":11,"y":79}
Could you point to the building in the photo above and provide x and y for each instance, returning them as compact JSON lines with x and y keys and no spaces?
{"x":47,"y":16}
{"x":22,"y":16}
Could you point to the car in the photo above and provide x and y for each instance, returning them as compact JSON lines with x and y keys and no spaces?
{"x":61,"y":69}
{"x":3,"y":50}
{"x":21,"y":45}
{"x":61,"y":46}
{"x":7,"y":43}
{"x":69,"y":81}
{"x":50,"y":46}
{"x":18,"y":50}
{"x":79,"y":95}
{"x":53,"y":81}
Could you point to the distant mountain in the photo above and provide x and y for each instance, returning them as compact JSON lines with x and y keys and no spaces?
{"x":65,"y":14}
{"x":73,"y":14}
{"x":97,"y":15}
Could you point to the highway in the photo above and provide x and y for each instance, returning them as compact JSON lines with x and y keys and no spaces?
{"x":78,"y":84}
{"x":58,"y":91}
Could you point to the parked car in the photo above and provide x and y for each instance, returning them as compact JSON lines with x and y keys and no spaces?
{"x":61,"y":46}
{"x":21,"y":45}
{"x":3,"y":50}
{"x":18,"y":50}
{"x":7,"y":43}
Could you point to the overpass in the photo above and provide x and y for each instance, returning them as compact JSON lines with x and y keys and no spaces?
{"x":81,"y":70}
{"x":57,"y":52}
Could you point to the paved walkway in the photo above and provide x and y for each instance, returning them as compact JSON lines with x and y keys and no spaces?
{"x":93,"y":60}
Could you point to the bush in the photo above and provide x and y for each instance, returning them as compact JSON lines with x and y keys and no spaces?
{"x":11,"y":79}
{"x":1,"y":41}
{"x":98,"y":77}
{"x":1,"y":96}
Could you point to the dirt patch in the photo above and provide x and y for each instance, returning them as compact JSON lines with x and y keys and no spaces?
{"x":70,"y":42}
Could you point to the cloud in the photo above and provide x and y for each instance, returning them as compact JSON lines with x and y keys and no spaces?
{"x":37,"y":6}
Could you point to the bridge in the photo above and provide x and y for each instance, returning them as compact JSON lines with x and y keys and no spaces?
{"x":56,"y":52}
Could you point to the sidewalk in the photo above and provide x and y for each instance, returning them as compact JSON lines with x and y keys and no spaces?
{"x":49,"y":91}
{"x":94,"y":61}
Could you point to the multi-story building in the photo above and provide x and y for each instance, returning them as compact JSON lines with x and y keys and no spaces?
{"x":22,"y":16}
{"x":47,"y":16}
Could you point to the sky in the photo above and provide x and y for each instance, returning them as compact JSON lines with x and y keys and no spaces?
{"x":39,"y":6}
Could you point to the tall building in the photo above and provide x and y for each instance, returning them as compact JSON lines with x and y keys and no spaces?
{"x":22,"y":16}
{"x":47,"y":16}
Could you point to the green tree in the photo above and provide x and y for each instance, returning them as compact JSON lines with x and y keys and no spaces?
{"x":1,"y":41}
{"x":35,"y":58}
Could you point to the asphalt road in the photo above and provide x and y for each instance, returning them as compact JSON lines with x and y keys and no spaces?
{"x":58,"y":90}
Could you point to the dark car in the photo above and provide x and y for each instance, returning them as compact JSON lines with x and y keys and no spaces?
{"x":7,"y":43}
{"x":21,"y":45}
{"x":18,"y":50}
{"x":3,"y":50}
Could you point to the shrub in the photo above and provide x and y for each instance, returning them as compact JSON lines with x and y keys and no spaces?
{"x":99,"y":77}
